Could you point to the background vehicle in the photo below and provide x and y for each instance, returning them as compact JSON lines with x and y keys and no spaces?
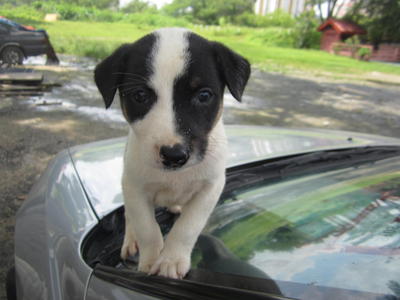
{"x":18,"y":42}
{"x":305,"y":214}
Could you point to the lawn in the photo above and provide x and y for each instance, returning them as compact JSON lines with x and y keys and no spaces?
{"x":99,"y":39}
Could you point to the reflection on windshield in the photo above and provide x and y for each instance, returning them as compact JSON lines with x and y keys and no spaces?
{"x":338,"y":229}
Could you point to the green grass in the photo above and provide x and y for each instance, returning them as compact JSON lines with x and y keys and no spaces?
{"x":91,"y":39}
{"x":97,"y":40}
{"x":287,"y":59}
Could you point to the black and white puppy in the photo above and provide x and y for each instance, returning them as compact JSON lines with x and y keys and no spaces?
{"x":171,"y":84}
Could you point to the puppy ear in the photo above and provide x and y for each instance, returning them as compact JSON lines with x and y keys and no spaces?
{"x":234,"y":69}
{"x":108,"y":74}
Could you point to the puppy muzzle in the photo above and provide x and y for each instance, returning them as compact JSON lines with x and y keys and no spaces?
{"x":174,"y":157}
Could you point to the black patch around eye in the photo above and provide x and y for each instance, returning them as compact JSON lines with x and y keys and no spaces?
{"x":137,"y":102}
{"x":204,"y":96}
{"x":139,"y":95}
{"x":198,"y":95}
{"x":136,"y":97}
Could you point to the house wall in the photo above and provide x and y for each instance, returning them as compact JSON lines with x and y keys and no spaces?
{"x":328,"y":39}
{"x":387,"y":52}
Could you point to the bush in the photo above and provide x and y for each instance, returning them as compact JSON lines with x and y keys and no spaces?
{"x":23,"y":14}
{"x":275,"y":19}
{"x":364,"y":53}
{"x":155,"y":20}
{"x":72,"y":12}
{"x":305,"y":31}
{"x":250,"y":20}
{"x":275,"y":36}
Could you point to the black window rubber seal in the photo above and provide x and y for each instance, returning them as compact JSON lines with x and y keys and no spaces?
{"x":198,"y":284}
{"x":276,"y":169}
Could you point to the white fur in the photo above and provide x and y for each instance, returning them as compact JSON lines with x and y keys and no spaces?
{"x":194,"y":189}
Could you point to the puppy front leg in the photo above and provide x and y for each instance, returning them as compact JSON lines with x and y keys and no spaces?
{"x":174,"y":260}
{"x":140,"y":212}
{"x":129,"y":246}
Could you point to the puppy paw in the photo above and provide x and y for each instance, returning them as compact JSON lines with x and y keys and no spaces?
{"x":129,"y":246}
{"x":171,"y":265}
{"x":175,"y":209}
{"x":147,"y":258}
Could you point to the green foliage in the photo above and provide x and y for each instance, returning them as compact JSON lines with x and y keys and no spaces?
{"x":282,"y":30}
{"x":25,"y":14}
{"x":364,"y":53}
{"x":275,"y":36}
{"x":211,"y":12}
{"x":71,"y":11}
{"x":36,"y":11}
{"x":305,"y":31}
{"x":100,"y":4}
{"x":275,"y":19}
{"x":155,"y":20}
{"x":266,"y":44}
{"x":137,"y":6}
{"x":381,"y":18}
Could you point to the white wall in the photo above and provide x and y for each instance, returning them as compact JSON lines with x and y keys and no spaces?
{"x":294,"y":7}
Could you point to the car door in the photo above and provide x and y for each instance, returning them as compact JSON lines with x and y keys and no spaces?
{"x":33,"y":42}
{"x":102,"y":289}
{"x":4,"y":34}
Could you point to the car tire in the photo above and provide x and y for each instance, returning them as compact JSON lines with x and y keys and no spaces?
{"x":12,"y":55}
{"x":11,"y":287}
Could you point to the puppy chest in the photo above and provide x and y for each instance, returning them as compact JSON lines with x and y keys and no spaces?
{"x":169,"y":195}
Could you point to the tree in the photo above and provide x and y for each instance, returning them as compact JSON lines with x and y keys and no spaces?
{"x":88,"y":3}
{"x":381,"y":19}
{"x":138,"y":6}
{"x":209,"y":11}
{"x":305,"y":34}
{"x":102,"y":4}
{"x":325,"y":7}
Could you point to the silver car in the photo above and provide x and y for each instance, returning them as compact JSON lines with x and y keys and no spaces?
{"x":305,"y":214}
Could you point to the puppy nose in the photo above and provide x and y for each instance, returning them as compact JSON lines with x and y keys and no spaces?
{"x":175,"y":156}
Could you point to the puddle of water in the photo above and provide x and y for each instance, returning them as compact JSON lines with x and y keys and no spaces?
{"x":65,"y":61}
{"x":79,"y":93}
{"x":269,"y":99}
{"x":101,"y":114}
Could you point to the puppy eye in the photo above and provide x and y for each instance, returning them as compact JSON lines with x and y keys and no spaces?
{"x":140,"y":96}
{"x":204,"y":96}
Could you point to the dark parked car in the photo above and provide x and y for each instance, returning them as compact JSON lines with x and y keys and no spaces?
{"x":305,"y":214}
{"x":18,"y":42}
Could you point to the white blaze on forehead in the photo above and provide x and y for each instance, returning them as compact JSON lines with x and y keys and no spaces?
{"x":169,"y":57}
{"x":169,"y":60}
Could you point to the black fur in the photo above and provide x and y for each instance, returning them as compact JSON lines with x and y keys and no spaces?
{"x":212,"y":67}
{"x":127,"y":70}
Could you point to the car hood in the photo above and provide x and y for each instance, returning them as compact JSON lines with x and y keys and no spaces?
{"x":99,"y":164}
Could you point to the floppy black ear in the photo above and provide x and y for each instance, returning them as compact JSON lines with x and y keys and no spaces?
{"x":108,"y":74}
{"x":234,"y":69}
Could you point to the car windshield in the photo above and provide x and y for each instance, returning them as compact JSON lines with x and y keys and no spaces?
{"x":12,"y":24}
{"x":319,"y":225}
{"x":337,"y":229}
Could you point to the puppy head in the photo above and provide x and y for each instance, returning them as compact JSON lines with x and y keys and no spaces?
{"x":171,"y":84}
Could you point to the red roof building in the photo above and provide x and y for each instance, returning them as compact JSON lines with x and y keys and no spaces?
{"x":336,"y":31}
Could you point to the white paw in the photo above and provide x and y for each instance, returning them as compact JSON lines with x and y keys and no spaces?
{"x":147,"y":258}
{"x":129,"y":246}
{"x":175,"y":209}
{"x":171,"y":265}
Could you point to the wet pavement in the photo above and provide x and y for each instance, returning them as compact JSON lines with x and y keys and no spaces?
{"x":34,"y":129}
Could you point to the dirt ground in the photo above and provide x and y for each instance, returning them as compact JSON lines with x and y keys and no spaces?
{"x":30,"y":137}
